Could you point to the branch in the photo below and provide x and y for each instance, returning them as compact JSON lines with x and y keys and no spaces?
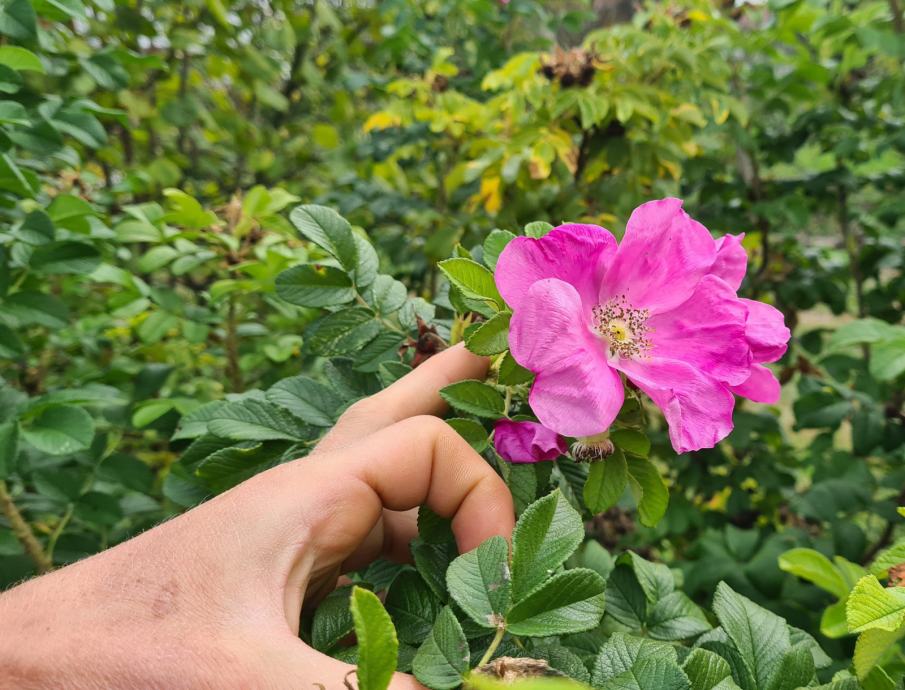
{"x":22,"y":531}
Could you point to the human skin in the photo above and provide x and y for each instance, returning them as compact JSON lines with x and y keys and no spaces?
{"x":212,"y":598}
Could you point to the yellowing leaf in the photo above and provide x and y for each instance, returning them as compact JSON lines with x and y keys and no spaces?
{"x":871,"y":646}
{"x":491,"y":195}
{"x":382,"y":120}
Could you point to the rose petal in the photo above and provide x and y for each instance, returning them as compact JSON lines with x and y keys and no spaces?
{"x":661,"y":259}
{"x":575,"y":393}
{"x":731,"y":260}
{"x":697,"y":407}
{"x":706,"y":331}
{"x":766,"y":331}
{"x":527,"y":441}
{"x":549,"y":325}
{"x":577,"y":254}
{"x":761,"y":387}
{"x":579,"y":398}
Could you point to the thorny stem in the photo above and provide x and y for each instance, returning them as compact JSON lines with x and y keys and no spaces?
{"x":488,"y":655}
{"x":22,"y":531}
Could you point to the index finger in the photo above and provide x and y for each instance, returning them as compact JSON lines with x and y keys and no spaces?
{"x":416,"y":393}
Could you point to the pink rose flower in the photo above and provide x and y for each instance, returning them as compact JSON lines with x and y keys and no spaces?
{"x":661,"y":308}
{"x":526,"y":441}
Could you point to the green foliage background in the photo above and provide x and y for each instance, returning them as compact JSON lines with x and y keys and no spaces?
{"x":168,"y":327}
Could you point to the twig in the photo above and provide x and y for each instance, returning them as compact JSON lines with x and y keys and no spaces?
{"x":897,"y":22}
{"x":233,"y":370}
{"x":22,"y":531}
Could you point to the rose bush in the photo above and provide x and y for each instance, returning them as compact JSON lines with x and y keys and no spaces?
{"x":172,"y":322}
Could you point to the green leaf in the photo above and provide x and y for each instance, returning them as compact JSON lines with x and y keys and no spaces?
{"x":11,"y":346}
{"x":872,"y":645}
{"x":676,"y":617}
{"x":478,"y":581}
{"x":655,"y":579}
{"x":797,"y":636}
{"x":310,"y":401}
{"x":255,"y":420}
{"x":631,"y":441}
{"x":622,"y":653}
{"x":60,"y":430}
{"x":386,"y":295}
{"x":328,"y":230}
{"x":471,"y":431}
{"x":35,"y":308}
{"x":185,"y":211}
{"x":17,"y":180}
{"x":494,"y":244}
{"x":814,"y":567}
{"x":442,"y":659}
{"x":65,"y":257}
{"x":343,"y":332}
{"x":18,"y":20}
{"x":761,"y":637}
{"x":332,"y":620}
{"x":150,"y":411}
{"x":606,"y":482}
{"x":368,"y":262}
{"x":650,"y":673}
{"x":432,"y":561}
{"x":796,"y":669}
{"x":474,"y":397}
{"x":10,"y":80}
{"x":512,"y":373}
{"x":870,"y":605}
{"x":625,"y":599}
{"x":432,"y":528}
{"x":489,"y":337}
{"x":569,"y":602}
{"x":649,"y":490}
{"x":859,"y":331}
{"x":832,"y":622}
{"x":887,"y":359}
{"x":382,"y":349}
{"x":378,"y":647}
{"x":887,"y":558}
{"x":315,"y":286}
{"x":413,"y":607}
{"x":537,"y":229}
{"x":9,"y":447}
{"x":36,"y":228}
{"x":20,"y":59}
{"x":226,"y":467}
{"x":706,"y":669}
{"x":473,"y":280}
{"x":156,"y":326}
{"x":546,"y":534}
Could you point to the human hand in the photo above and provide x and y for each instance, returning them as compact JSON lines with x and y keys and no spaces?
{"x":213,"y":598}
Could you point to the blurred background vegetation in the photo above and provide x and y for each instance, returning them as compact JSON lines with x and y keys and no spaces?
{"x":150,"y":149}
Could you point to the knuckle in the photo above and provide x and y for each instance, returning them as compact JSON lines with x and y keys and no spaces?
{"x":358,"y":411}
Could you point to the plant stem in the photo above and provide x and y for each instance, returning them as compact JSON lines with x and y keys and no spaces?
{"x":488,"y":655}
{"x":58,"y":530}
{"x":896,"y":11}
{"x":457,"y":332}
{"x":22,"y":531}
{"x":233,"y":371}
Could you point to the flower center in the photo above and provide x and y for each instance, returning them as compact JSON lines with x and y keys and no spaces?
{"x":623,"y":327}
